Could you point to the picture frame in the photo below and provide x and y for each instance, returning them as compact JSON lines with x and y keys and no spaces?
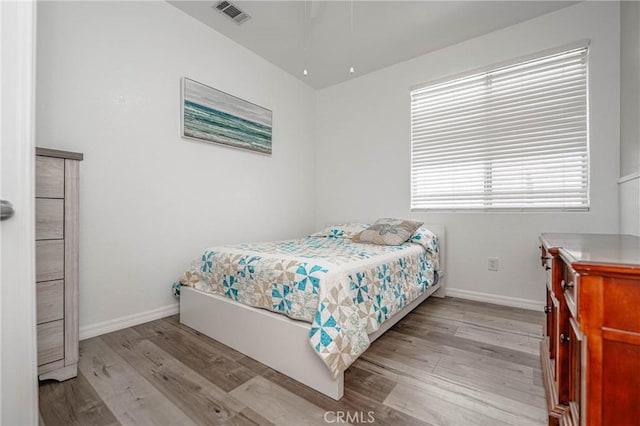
{"x":211,"y":115}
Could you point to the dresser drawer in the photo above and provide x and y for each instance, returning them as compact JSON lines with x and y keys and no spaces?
{"x":50,"y":342}
{"x":50,"y":297}
{"x":49,"y":219}
{"x":49,"y":260}
{"x":49,"y":177}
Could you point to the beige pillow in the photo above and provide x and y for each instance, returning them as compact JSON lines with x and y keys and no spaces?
{"x":388,"y":232}
{"x":343,"y":230}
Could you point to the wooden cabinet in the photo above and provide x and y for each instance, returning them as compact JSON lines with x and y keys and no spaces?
{"x":591,"y":351}
{"x":57,"y":192}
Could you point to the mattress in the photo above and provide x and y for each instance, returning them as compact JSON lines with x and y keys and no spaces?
{"x":346,"y":290}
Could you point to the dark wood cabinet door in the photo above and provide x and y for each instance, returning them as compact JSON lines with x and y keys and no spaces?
{"x":577,"y":350}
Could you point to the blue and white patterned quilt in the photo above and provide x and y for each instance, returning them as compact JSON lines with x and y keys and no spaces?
{"x":346,"y":290}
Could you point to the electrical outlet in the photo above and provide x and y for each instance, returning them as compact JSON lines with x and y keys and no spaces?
{"x":493,"y":263}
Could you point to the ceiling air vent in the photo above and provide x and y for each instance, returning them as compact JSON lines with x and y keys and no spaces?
{"x":233,"y":12}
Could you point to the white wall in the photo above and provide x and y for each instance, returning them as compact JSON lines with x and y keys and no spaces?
{"x":629,"y":87}
{"x":363,"y":151}
{"x":108,"y":85}
{"x":629,"y":117}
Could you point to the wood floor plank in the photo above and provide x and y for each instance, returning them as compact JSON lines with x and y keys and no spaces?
{"x":491,"y":350}
{"x":432,"y":322}
{"x":382,"y":414}
{"x":439,"y":320}
{"x":442,"y":310}
{"x":356,"y":400}
{"x":516,"y":376}
{"x":506,"y":324}
{"x":500,"y":385}
{"x":131,"y":398}
{"x":198,"y":398}
{"x":73,"y":402}
{"x":171,"y":325}
{"x":499,"y":367}
{"x":197,"y":354}
{"x":538,"y":380}
{"x":248,"y":416}
{"x":450,"y":362}
{"x":174,"y":321}
{"x":253,"y":365}
{"x":471,"y":398}
{"x":397,"y":364}
{"x":434,"y":409}
{"x":375,"y":386}
{"x":419,"y":360}
{"x":499,"y":311}
{"x":277,"y":404}
{"x":518,"y":342}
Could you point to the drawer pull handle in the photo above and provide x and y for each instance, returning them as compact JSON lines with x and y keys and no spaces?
{"x":544,"y":257}
{"x":566,"y":286}
{"x":547,"y":309}
{"x":546,"y":267}
{"x":564,"y":339}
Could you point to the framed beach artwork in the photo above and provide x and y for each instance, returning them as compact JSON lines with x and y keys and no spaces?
{"x":213,"y":116}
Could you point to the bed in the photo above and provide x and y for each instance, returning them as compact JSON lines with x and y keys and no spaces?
{"x":309,"y":307}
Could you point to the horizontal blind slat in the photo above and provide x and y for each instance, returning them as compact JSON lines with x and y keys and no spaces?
{"x":514,"y":137}
{"x":473,"y":99}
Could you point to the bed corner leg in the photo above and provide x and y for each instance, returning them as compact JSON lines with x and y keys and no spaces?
{"x":338,"y":391}
{"x":441,"y":292}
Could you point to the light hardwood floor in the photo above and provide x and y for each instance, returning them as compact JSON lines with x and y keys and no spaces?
{"x":450,"y":362}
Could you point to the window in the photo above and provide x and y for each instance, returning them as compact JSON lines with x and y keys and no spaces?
{"x":515,"y":137}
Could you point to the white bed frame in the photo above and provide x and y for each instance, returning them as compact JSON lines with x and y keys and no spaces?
{"x":274,"y":339}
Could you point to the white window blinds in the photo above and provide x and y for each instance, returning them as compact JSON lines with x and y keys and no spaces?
{"x":515,"y":137}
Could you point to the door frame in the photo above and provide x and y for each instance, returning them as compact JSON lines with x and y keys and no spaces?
{"x":18,"y":337}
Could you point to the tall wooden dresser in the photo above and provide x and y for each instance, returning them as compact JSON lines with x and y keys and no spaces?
{"x":591,"y":353}
{"x":57,"y":227}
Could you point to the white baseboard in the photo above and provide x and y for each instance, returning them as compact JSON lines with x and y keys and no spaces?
{"x":104,"y":327}
{"x":516,"y":302}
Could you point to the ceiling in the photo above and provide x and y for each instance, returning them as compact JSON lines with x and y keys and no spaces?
{"x":384,"y":32}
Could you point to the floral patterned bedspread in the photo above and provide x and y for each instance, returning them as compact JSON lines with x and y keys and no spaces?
{"x":346,"y":290}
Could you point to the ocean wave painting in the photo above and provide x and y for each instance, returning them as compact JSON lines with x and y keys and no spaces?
{"x":215,"y":116}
